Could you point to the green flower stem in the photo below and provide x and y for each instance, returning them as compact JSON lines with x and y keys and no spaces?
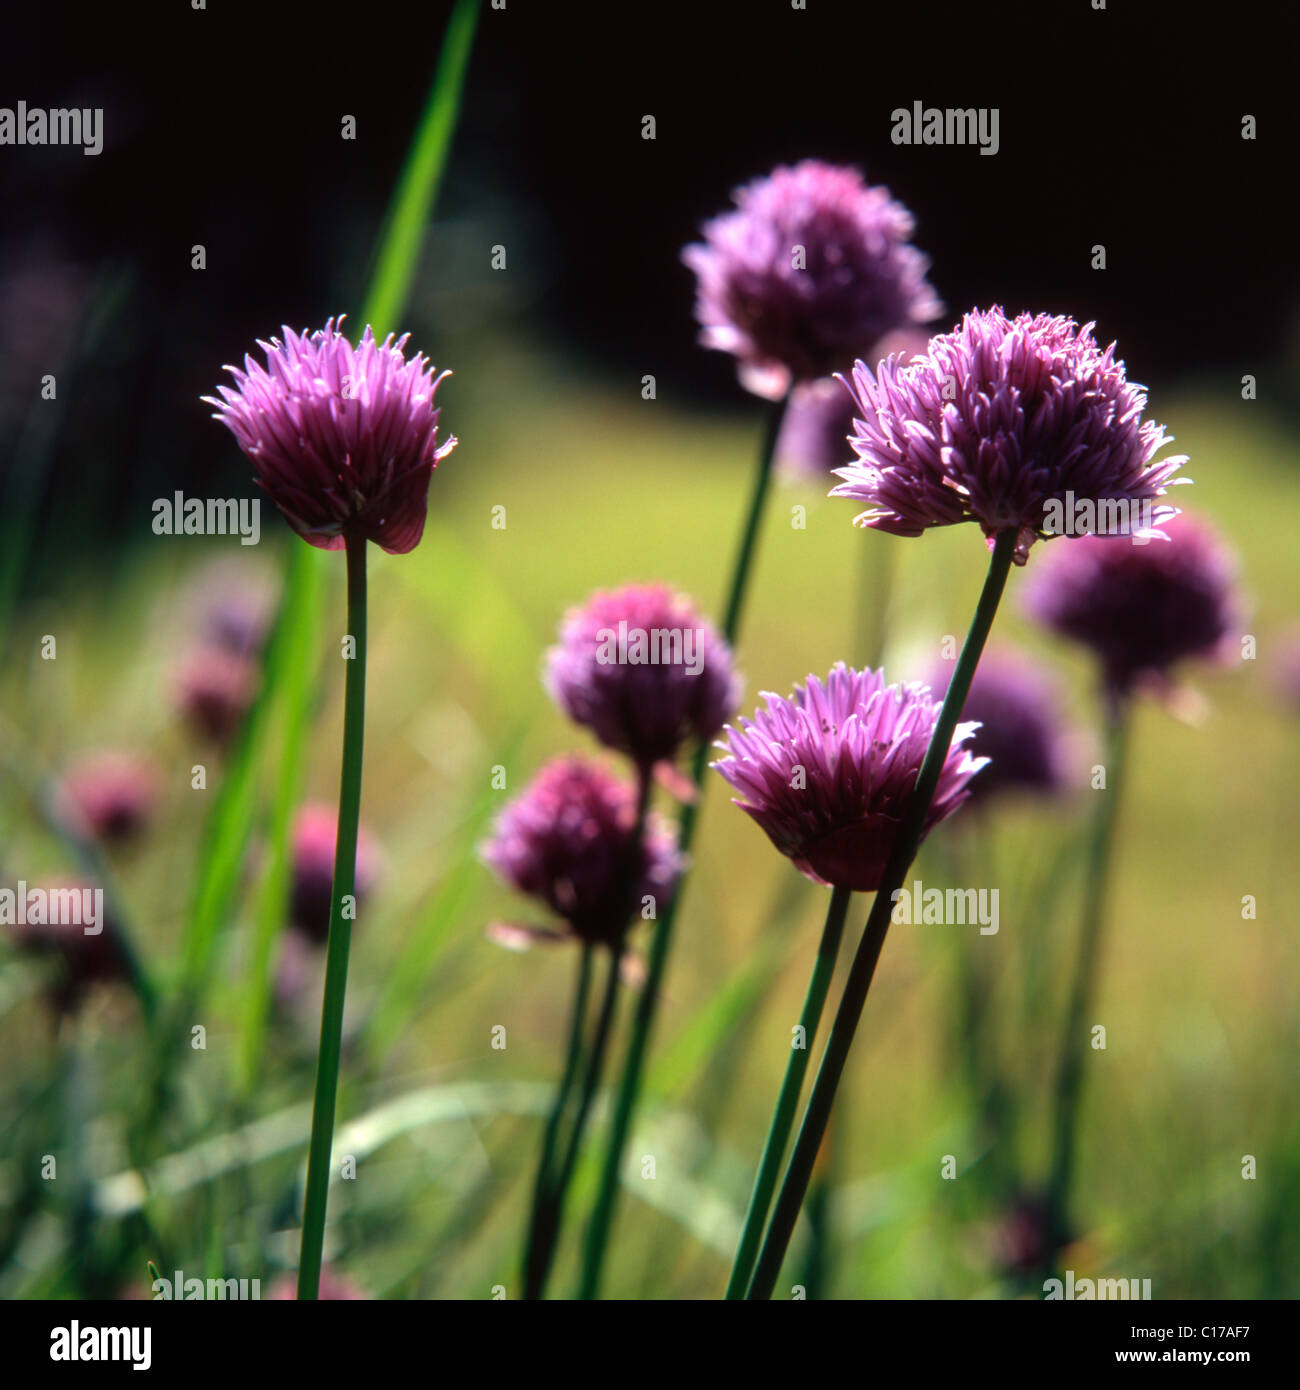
{"x":787,"y":1101}
{"x":340,"y":934}
{"x":910,"y":832}
{"x":629,"y":1088}
{"x":544,"y":1184}
{"x":1069,"y":1083}
{"x":552,"y":1216}
{"x":753,"y":522}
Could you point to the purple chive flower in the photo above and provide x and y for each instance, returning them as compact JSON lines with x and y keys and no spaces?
{"x":214,"y":690}
{"x":86,"y":959}
{"x":315,"y":834}
{"x":566,"y":840}
{"x":1021,"y":732}
{"x":109,"y":796}
{"x":1140,"y":608}
{"x":828,"y":772}
{"x":643,"y":671}
{"x":814,"y":266}
{"x":1005,"y":421}
{"x":344,"y":439}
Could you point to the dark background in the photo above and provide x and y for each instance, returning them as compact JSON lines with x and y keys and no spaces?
{"x":223,"y":127}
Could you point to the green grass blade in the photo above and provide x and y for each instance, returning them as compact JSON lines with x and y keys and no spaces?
{"x":417,"y":188}
{"x":300,"y":668}
{"x":230,"y":823}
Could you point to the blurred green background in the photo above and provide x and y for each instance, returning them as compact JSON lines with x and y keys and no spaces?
{"x":601,"y":487}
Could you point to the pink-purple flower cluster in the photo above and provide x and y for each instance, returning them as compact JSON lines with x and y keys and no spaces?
{"x":344,"y":439}
{"x":1021,"y":731}
{"x":813,"y":267}
{"x":86,"y":959}
{"x":827,"y":772}
{"x":567,"y":841}
{"x":214,"y":689}
{"x":999,"y":419}
{"x":315,"y":835}
{"x":643,"y":671}
{"x":109,"y":796}
{"x":1140,"y":608}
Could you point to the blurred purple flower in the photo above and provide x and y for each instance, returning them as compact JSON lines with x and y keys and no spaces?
{"x":228,"y":604}
{"x":315,"y":834}
{"x":814,"y":266}
{"x":827,"y":772}
{"x":1019,"y":1235}
{"x":344,"y":439}
{"x":87,"y":959}
{"x":1018,"y":709}
{"x":643,"y":671}
{"x":1000,"y":418}
{"x":237,"y":620}
{"x":818,"y":422}
{"x":815,"y":429}
{"x":109,"y":796}
{"x":214,"y":689}
{"x":566,"y":840}
{"x":293,"y":969}
{"x":1140,"y":608}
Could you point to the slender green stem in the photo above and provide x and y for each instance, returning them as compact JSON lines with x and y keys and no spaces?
{"x":787,"y":1101}
{"x":910,"y":831}
{"x":298,"y":673}
{"x":753,"y":523}
{"x":552,"y":1214}
{"x":545,"y":1176}
{"x":1069,"y":1083}
{"x":542,"y":1250}
{"x":602,"y":1218}
{"x":340,"y":933}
